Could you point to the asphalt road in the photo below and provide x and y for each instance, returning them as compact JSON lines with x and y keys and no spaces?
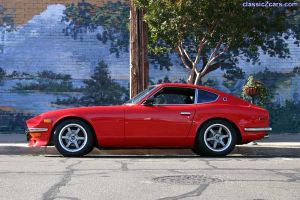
{"x":143,"y":177}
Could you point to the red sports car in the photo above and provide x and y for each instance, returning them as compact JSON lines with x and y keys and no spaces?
{"x":170,"y":115}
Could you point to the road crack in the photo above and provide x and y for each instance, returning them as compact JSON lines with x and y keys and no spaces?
{"x":194,"y":193}
{"x":55,"y":189}
{"x":124,"y":165}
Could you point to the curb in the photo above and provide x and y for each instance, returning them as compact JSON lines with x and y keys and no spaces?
{"x":245,"y":150}
{"x":272,"y":151}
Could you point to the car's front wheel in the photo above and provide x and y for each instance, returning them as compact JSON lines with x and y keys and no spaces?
{"x":73,"y":138}
{"x":216,"y":138}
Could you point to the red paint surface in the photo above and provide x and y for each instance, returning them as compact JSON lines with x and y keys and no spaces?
{"x":157,"y":126}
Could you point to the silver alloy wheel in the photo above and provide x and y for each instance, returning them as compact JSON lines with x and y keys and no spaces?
{"x":72,"y":137}
{"x":217,"y":137}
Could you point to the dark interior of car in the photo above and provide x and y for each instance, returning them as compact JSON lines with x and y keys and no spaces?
{"x":175,"y":95}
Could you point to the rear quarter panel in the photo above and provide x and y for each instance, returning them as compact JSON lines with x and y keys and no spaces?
{"x":240,"y":113}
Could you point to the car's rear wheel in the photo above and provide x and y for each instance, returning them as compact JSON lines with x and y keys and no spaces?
{"x":216,"y":138}
{"x":73,"y":137}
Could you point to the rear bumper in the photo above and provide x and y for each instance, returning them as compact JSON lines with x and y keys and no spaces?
{"x":258,"y":129}
{"x":251,"y":134}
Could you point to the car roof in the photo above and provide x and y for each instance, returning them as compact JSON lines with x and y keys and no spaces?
{"x":190,"y":86}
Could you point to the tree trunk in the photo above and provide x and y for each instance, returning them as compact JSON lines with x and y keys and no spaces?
{"x":192,"y":76}
{"x":198,"y":80}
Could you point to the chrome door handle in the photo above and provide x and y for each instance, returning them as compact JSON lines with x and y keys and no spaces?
{"x":185,"y":113}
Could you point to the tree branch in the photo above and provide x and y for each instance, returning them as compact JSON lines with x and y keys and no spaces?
{"x":199,"y":51}
{"x":208,"y":65}
{"x":182,"y":57}
{"x":213,"y":67}
{"x":185,"y":53}
{"x":216,"y":48}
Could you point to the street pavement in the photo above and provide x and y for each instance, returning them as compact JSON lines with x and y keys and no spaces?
{"x":149,"y":177}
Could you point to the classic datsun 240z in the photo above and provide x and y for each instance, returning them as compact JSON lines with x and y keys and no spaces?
{"x":170,"y":115}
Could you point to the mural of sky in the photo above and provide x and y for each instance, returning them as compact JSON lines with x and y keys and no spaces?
{"x":41,"y":45}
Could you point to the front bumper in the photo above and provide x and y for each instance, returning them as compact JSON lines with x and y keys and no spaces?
{"x":37,"y":136}
{"x":34,"y":132}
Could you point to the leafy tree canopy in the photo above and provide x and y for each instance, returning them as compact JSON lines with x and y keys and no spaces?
{"x":208,"y":35}
{"x":113,"y":17}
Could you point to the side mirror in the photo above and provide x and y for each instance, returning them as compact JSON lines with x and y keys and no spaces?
{"x":149,"y":102}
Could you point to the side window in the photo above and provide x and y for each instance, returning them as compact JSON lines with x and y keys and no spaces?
{"x":175,"y":95}
{"x":206,"y":97}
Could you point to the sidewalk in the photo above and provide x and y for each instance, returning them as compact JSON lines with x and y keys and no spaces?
{"x":276,"y":145}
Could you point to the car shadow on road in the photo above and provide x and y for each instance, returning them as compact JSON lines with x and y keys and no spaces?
{"x":176,"y":156}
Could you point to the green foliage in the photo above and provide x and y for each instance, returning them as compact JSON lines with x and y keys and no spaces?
{"x":231,"y":76}
{"x":239,"y":31}
{"x":262,"y":97}
{"x":163,"y":60}
{"x":101,"y":89}
{"x":210,"y":83}
{"x":296,"y":70}
{"x":53,"y":76}
{"x":2,"y":73}
{"x":273,"y":79}
{"x":166,"y":80}
{"x":20,"y":75}
{"x":79,"y":19}
{"x":46,"y":81}
{"x":285,"y":118}
{"x":113,"y":17}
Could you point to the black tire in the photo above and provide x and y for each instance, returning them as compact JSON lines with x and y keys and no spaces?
{"x":85,"y":145}
{"x":196,"y":151}
{"x":206,"y":148}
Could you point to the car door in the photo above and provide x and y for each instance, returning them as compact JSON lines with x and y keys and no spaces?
{"x":165,"y":123}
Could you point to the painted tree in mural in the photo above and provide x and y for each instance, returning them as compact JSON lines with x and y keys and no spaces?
{"x":100,"y":89}
{"x":2,"y":73}
{"x":112,"y":17}
{"x":208,"y":35}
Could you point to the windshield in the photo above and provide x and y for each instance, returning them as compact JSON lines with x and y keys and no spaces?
{"x":141,"y":95}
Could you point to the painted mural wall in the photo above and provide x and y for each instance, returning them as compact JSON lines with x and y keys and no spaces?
{"x":51,"y":60}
